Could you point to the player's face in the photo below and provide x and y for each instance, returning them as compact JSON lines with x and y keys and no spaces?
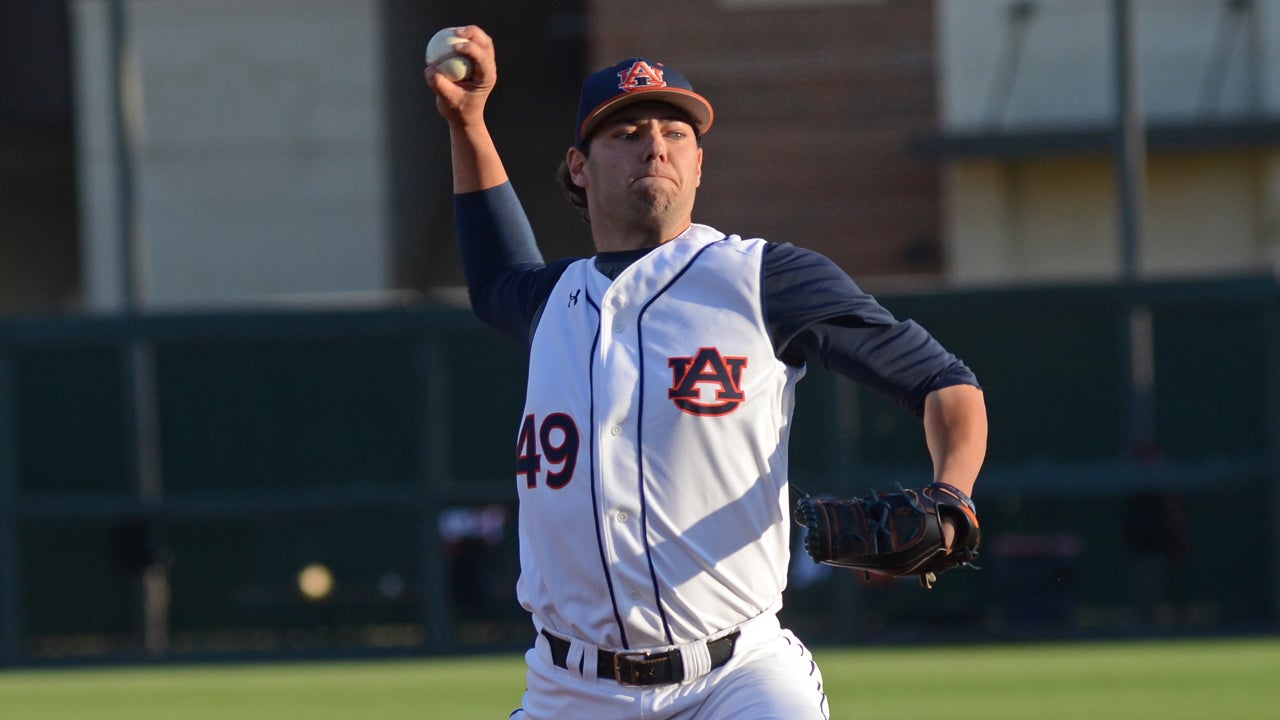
{"x":643,"y":169}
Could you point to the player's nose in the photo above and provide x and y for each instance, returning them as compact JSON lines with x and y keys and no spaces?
{"x":655,"y":145}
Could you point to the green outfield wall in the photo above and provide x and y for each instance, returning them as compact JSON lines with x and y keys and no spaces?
{"x":340,"y":481}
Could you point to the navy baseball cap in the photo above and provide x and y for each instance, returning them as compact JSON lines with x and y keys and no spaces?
{"x":634,"y":80}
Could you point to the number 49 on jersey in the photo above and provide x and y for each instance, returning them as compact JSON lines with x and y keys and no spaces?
{"x":556,"y":438}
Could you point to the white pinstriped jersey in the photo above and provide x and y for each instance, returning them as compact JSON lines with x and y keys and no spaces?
{"x":653,"y":485}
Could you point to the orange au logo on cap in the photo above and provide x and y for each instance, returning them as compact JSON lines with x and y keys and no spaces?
{"x":641,"y":76}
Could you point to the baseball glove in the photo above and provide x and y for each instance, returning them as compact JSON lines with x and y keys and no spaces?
{"x":894,"y":533}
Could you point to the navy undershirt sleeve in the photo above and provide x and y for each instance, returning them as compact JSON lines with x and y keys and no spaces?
{"x":507,"y":279}
{"x":816,"y":313}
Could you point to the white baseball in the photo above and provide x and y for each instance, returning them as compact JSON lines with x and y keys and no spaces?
{"x":440,"y":52}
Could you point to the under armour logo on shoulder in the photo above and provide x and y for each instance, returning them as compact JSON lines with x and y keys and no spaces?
{"x":721,"y":375}
{"x":573,"y":297}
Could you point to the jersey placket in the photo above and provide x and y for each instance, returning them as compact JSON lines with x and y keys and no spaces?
{"x":621,"y":498}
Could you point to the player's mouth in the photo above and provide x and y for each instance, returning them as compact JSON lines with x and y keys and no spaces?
{"x":651,"y":176}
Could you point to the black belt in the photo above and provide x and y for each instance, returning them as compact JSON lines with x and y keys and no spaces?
{"x":641,"y":667}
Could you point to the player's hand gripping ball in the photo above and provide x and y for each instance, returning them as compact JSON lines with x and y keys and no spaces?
{"x":440,"y":53}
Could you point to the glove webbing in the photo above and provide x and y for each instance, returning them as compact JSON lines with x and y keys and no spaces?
{"x":879,"y":526}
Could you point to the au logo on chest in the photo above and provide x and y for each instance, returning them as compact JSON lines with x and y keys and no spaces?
{"x":708,"y":383}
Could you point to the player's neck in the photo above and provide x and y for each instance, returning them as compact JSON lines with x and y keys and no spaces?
{"x":633,"y":237}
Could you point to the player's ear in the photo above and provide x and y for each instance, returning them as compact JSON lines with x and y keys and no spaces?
{"x":698,"y":182}
{"x":576,"y":161}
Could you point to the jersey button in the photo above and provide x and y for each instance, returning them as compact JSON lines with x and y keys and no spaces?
{"x":617,"y":327}
{"x":622,"y":517}
{"x":615,"y":431}
{"x":635,"y":594}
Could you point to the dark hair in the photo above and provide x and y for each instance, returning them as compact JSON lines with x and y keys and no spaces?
{"x":577,"y":196}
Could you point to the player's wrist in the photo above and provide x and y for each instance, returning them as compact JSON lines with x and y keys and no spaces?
{"x":960,"y":495}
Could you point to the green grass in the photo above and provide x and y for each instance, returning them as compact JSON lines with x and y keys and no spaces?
{"x":1089,"y":681}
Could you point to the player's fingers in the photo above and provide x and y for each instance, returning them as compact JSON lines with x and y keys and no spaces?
{"x":475,"y":34}
{"x":450,"y":98}
{"x":479,"y":49}
{"x":439,"y":84}
{"x":458,"y":100}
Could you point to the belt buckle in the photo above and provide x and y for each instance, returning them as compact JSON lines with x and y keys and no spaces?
{"x":640,"y":665}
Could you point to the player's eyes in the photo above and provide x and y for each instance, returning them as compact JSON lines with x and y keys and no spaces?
{"x":632,"y":133}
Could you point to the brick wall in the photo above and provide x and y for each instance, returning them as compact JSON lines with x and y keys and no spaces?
{"x":814,"y":110}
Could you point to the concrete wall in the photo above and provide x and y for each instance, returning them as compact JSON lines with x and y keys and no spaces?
{"x":1049,"y":65}
{"x":259,"y":161}
{"x":1056,"y":219}
{"x":1022,"y":63}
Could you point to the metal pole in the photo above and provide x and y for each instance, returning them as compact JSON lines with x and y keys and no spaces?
{"x":125,"y":136}
{"x":1131,"y":163}
{"x":1131,"y":146}
{"x":141,"y":411}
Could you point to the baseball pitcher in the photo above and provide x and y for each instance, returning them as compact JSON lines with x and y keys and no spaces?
{"x":651,"y":456}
